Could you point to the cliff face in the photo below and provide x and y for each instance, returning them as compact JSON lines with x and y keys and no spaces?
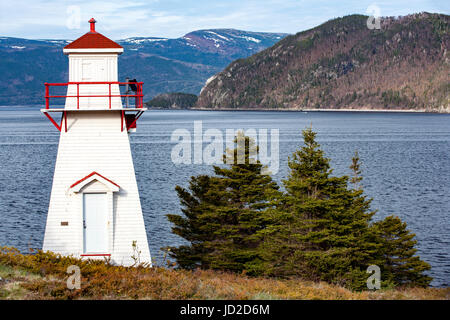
{"x":344,"y":64}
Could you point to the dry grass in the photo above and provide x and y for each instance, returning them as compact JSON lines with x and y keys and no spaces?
{"x":43,"y":276}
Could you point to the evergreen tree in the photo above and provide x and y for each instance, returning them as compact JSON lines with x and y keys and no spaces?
{"x":356,"y":171}
{"x":223,"y":214}
{"x":197,"y":226}
{"x":321,"y":226}
{"x":391,"y":246}
{"x":319,"y":229}
{"x":401,"y":266}
{"x":367,"y":244}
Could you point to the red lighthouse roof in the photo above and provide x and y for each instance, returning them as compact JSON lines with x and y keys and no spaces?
{"x":93,"y":40}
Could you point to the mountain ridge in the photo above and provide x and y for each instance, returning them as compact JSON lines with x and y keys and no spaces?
{"x":163,"y":64}
{"x":342,"y":64}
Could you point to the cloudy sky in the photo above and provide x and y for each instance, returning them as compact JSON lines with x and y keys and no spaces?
{"x":60,"y":19}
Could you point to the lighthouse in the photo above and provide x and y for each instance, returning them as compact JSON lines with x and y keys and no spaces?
{"x":95,"y":210}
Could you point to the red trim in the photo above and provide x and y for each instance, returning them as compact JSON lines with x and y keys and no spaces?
{"x":90,"y":175}
{"x":96,"y":255}
{"x":139,"y":96}
{"x":97,"y":96}
{"x":47,"y":93}
{"x":93,"y":82}
{"x":53,"y":121}
{"x":122,"y":115}
{"x":132,"y":125}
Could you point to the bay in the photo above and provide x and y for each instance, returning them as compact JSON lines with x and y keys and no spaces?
{"x":405,"y":162}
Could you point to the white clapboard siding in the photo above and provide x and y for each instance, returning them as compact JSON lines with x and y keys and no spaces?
{"x":93,"y":68}
{"x":94,"y":142}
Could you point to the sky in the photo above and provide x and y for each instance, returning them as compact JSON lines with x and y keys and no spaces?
{"x":119,"y":19}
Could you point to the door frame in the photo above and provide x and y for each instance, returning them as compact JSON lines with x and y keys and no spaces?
{"x":95,"y":183}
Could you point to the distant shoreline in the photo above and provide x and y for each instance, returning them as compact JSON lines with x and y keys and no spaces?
{"x":445,"y":111}
{"x":323,"y":110}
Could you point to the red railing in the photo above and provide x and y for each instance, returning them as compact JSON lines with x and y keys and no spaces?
{"x":138,"y":94}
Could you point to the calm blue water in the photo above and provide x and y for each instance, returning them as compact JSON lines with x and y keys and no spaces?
{"x":406,"y":168}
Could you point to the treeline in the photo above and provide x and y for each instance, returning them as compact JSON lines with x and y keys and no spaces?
{"x":173,"y":100}
{"x":320,"y":227}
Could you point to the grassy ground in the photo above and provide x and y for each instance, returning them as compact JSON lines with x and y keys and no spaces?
{"x":43,"y":276}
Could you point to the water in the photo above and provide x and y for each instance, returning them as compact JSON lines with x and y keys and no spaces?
{"x":405,"y":161}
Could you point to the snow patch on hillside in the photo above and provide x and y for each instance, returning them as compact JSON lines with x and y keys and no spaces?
{"x":249,"y":39}
{"x":218,"y":35}
{"x":143,"y":40}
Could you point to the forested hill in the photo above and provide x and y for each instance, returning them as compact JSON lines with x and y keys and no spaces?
{"x":344,"y":64}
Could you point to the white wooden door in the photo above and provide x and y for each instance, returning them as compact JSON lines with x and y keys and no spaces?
{"x":94,"y":70}
{"x":95,"y":223}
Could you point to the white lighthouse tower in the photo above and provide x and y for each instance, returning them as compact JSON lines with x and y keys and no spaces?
{"x":95,"y":210}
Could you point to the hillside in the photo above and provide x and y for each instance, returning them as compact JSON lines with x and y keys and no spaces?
{"x":343,"y":64}
{"x":165,"y":65}
{"x":44,"y":276}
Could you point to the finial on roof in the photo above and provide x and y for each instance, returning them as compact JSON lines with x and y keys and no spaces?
{"x":92,"y":22}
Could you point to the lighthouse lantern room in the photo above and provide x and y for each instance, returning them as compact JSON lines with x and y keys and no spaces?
{"x":95,"y":210}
